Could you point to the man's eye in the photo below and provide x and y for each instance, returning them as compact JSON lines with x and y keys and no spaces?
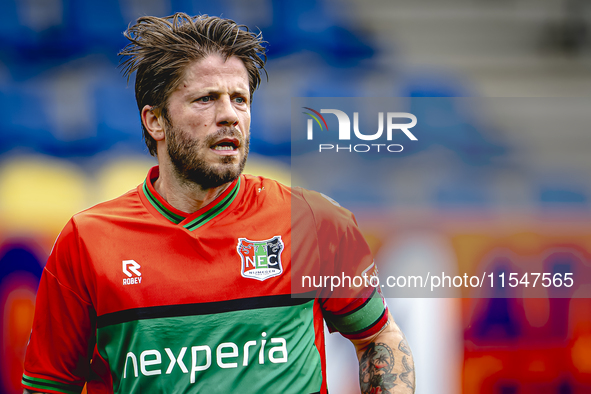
{"x":204,"y":99}
{"x":240,"y":100}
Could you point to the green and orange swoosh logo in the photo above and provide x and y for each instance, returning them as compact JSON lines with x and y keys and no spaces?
{"x":316,"y":117}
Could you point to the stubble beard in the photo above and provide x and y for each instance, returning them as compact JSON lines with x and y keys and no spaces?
{"x":186,"y":155}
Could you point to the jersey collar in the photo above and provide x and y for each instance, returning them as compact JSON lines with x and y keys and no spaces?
{"x":196,"y":219}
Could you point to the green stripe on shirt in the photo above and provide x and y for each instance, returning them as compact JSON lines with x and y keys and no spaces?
{"x":360,"y":319}
{"x":45,"y":384}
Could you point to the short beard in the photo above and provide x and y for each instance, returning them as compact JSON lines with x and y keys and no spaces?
{"x":191,"y":168}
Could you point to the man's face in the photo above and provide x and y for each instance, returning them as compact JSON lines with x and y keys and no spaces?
{"x":208,"y":118}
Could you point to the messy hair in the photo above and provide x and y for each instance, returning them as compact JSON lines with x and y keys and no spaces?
{"x":161,"y":49}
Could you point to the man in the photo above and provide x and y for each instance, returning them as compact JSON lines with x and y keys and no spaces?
{"x":184,"y":284}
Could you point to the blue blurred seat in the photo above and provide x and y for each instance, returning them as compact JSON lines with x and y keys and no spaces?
{"x":96,"y":23}
{"x":117,"y":115}
{"x":563,"y":197}
{"x":25,"y":123}
{"x":441,"y":123}
{"x":308,"y":25}
{"x":12,"y":32}
{"x":209,"y":7}
{"x":463,"y":193}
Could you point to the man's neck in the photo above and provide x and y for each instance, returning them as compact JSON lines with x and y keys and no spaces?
{"x":185,"y":196}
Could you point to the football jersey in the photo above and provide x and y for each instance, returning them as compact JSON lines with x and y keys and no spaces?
{"x":139,"y":297}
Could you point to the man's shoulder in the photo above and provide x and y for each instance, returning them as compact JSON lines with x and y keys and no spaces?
{"x":253,"y":181}
{"x":94,"y":222}
{"x":125,"y":205}
{"x":303,"y":203}
{"x":314,"y":200}
{"x":325,"y":210}
{"x":256,"y":186}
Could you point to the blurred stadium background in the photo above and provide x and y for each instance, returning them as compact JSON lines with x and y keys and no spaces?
{"x":71,"y":138}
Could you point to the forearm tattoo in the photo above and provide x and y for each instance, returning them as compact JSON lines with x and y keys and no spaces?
{"x":375,"y":369}
{"x":408,"y":376}
{"x":376,"y":365}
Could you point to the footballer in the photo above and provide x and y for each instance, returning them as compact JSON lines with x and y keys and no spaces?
{"x":184,"y":284}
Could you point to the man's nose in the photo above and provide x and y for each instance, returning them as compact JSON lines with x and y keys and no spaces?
{"x":227,"y":115}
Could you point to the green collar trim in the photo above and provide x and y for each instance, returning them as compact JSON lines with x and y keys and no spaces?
{"x":215,"y":210}
{"x":200,"y":220}
{"x":167,"y":213}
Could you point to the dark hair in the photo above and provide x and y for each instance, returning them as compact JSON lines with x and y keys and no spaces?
{"x":162,"y":48}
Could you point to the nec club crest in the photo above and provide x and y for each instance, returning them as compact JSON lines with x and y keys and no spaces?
{"x":261,"y":259}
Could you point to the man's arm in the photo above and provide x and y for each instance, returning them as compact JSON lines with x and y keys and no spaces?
{"x":385,"y":362}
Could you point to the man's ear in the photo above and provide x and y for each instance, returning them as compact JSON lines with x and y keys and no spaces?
{"x":153,"y":122}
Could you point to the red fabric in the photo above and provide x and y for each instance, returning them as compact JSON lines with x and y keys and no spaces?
{"x":84,"y":278}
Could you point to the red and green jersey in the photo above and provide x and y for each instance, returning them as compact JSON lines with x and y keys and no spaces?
{"x":140,"y":297}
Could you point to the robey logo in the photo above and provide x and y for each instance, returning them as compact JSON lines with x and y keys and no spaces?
{"x":131,"y":269}
{"x":345,"y":130}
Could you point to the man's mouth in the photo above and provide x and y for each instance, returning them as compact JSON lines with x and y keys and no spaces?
{"x":226,"y":144}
